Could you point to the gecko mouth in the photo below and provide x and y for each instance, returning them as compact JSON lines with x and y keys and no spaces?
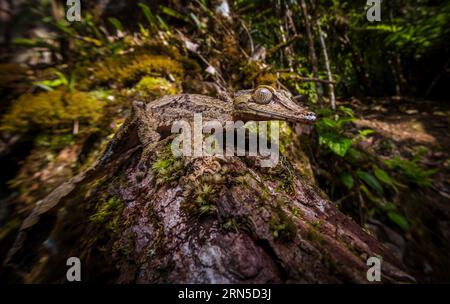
{"x":308,"y":118}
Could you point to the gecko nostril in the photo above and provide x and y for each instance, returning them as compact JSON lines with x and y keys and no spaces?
{"x":311,"y":116}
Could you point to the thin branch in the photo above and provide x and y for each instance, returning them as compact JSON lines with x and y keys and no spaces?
{"x":327,"y":66}
{"x":306,"y":79}
{"x":278,"y":47}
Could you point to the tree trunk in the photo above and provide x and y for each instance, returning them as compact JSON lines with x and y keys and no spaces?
{"x":327,"y":67}
{"x":311,"y":49}
{"x":193,"y":220}
{"x":358,"y":64}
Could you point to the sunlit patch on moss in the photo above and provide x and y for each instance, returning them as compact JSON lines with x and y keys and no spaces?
{"x":129,"y":71}
{"x":156,"y":86}
{"x":52,"y":111}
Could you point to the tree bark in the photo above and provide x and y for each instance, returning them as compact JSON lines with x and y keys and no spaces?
{"x":327,"y":67}
{"x":193,"y":220}
{"x":311,"y":49}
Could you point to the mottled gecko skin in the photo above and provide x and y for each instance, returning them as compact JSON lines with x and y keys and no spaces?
{"x":157,"y":117}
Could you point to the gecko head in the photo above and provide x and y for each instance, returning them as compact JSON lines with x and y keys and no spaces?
{"x":266,"y":103}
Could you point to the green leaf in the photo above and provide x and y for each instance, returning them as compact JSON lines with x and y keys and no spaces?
{"x":337,"y":144}
{"x":148,"y":14}
{"x":383,"y":176}
{"x":200,"y":25}
{"x":412,"y":170}
{"x":347,"y":180}
{"x":43,"y":86}
{"x":50,"y":83}
{"x":31,"y":43}
{"x":162,"y":24}
{"x":389,"y":207}
{"x":399,"y":220}
{"x":173,"y":13}
{"x":345,"y":110}
{"x":366,"y":132}
{"x":371,"y":196}
{"x":370,"y":180}
{"x":64,"y":26}
{"x":116,"y":23}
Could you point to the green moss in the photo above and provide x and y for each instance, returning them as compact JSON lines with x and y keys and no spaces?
{"x":296,"y":211}
{"x":200,"y":197}
{"x":267,"y":79}
{"x":241,"y":223}
{"x":108,"y":213}
{"x":167,"y":168}
{"x":281,"y":225}
{"x":286,"y":137}
{"x":159,"y":227}
{"x":52,"y":111}
{"x":249,"y":73}
{"x":314,"y":234}
{"x":130,"y":70}
{"x":283,"y":176}
{"x":156,"y":86}
{"x":231,"y":225}
{"x":205,"y":196}
{"x":330,"y":263}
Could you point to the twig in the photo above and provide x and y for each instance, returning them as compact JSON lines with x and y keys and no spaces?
{"x":278,"y":47}
{"x":307,"y":79}
{"x":252,"y":47}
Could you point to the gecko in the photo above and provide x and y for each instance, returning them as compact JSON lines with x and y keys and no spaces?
{"x":150,"y":121}
{"x":153,"y":120}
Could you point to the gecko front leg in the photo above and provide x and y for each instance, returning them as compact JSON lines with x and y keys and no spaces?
{"x":147,"y":134}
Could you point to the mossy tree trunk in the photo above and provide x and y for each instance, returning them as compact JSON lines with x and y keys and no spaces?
{"x":203,"y":220}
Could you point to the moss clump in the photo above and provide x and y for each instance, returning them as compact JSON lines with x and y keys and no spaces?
{"x":167,"y":168}
{"x":205,"y":199}
{"x":157,"y":240}
{"x":267,"y":79}
{"x":201,"y":196}
{"x":250,"y":72}
{"x":156,"y":86}
{"x":53,"y":110}
{"x":314,"y":234}
{"x":283,"y":175}
{"x":130,"y":71}
{"x":281,"y":225}
{"x":108,"y":213}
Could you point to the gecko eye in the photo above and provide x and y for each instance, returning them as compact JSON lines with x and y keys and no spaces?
{"x":262,"y":96}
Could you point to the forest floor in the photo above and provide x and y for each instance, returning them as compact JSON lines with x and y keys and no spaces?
{"x":409,"y":124}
